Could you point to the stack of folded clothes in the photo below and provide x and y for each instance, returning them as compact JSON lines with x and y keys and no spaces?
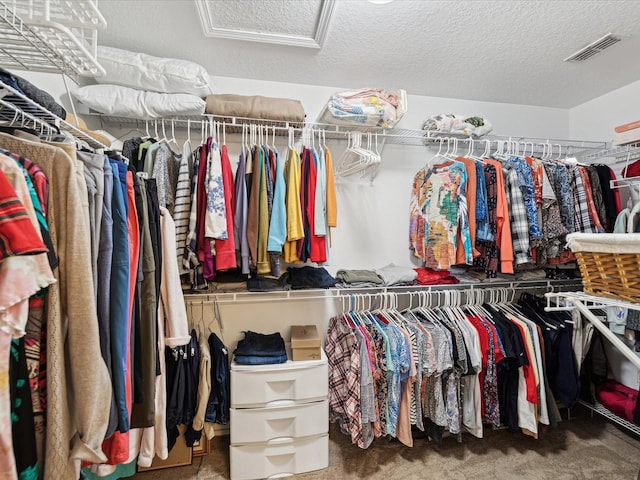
{"x":29,"y":90}
{"x":260,"y":349}
{"x":307,"y":277}
{"x":357,"y":279}
{"x":397,"y":275}
{"x":429,"y":276}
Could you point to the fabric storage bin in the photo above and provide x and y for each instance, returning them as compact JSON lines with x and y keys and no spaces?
{"x":250,"y":425}
{"x":259,"y":385}
{"x":609,"y":263}
{"x":279,"y":458}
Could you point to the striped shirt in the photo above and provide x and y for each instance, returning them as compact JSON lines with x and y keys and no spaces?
{"x":182,"y":208}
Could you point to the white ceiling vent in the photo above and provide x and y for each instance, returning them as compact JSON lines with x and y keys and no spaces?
{"x":590,"y":50}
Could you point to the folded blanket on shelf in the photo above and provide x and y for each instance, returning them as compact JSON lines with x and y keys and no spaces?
{"x":373,"y":107}
{"x":458,"y":124}
{"x":256,"y":106}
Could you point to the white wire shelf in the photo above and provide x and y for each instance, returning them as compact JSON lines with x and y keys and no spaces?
{"x":585,"y":304}
{"x":391,"y":136}
{"x":24,"y":119}
{"x":542,"y":285}
{"x":625,"y":152}
{"x":600,"y":409}
{"x":591,"y":302}
{"x":50,"y":36}
{"x":30,"y":108}
{"x":72,"y":13}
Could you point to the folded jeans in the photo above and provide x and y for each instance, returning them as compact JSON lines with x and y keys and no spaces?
{"x":256,"y":360}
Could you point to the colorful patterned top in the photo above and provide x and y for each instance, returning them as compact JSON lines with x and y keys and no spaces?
{"x":438,"y":211}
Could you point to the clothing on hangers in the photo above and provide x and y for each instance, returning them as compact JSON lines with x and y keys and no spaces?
{"x":449,"y":368}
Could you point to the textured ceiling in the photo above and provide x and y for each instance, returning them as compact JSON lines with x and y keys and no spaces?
{"x":500,"y":51}
{"x":259,"y":16}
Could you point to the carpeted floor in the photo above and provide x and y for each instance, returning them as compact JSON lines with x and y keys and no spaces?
{"x":582,"y":448}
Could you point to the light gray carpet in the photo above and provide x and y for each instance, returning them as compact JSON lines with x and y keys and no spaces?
{"x":582,"y":448}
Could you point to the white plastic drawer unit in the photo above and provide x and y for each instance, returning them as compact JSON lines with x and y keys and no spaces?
{"x":279,"y":458}
{"x":264,"y":424}
{"x":254,"y":386}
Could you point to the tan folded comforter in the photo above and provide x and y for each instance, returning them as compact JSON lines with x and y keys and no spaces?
{"x":266,"y":108}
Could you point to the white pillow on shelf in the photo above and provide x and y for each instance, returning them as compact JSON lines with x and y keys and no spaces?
{"x":153,"y":74}
{"x":127,"y":102}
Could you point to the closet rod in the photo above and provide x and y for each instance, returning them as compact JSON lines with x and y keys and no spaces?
{"x":338,"y":293}
{"x":390,"y":135}
{"x":585,"y":303}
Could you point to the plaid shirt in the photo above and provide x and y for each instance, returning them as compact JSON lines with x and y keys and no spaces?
{"x":526,"y":184}
{"x":581,"y":216}
{"x":517,"y":217}
{"x":341,"y":347}
{"x":588,"y":189}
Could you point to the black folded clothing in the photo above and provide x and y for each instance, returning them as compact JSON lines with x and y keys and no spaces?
{"x":308,"y":277}
{"x":261,"y":345}
{"x":29,"y":90}
{"x":264,"y":284}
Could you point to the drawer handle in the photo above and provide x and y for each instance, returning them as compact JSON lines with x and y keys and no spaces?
{"x":280,"y":382}
{"x":280,"y":441}
{"x":281,"y":403}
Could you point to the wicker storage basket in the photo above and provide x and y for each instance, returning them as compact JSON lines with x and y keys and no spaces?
{"x":609,"y":263}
